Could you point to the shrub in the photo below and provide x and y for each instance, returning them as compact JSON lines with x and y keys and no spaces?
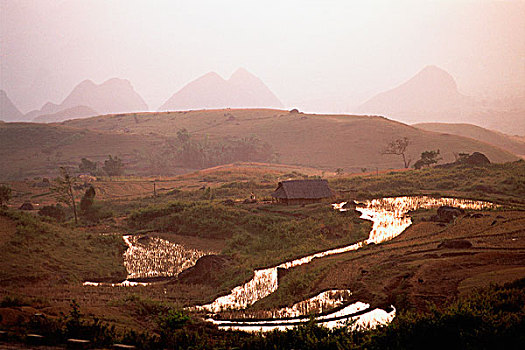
{"x":172,"y":320}
{"x":5,"y":194}
{"x":56,"y":212}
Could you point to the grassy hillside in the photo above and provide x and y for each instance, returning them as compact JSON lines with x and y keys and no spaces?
{"x":509,"y":143}
{"x":35,"y":251}
{"x":29,"y":149}
{"x":322,"y":141}
{"x":150,"y":143}
{"x":502,"y":183}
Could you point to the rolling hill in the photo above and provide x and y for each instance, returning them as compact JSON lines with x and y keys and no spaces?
{"x":112,"y":96}
{"x":8,"y":111}
{"x":241,"y":90}
{"x":325,"y":142}
{"x":512,"y":144}
{"x":511,"y":122}
{"x":322,"y":141}
{"x":29,"y":149}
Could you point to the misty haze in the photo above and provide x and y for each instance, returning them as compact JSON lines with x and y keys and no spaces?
{"x":254,"y":175}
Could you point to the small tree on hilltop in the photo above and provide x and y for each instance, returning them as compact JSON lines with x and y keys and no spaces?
{"x":399,"y":147}
{"x":427,"y":159}
{"x":113,"y":166}
{"x":5,"y":194}
{"x":63,"y":190}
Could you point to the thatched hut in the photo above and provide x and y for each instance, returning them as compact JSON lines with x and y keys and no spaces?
{"x":302,"y":191}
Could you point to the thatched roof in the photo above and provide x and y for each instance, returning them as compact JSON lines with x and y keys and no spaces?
{"x":303,"y":189}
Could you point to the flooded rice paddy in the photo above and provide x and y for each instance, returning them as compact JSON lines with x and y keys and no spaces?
{"x":157,"y":257}
{"x":148,"y":257}
{"x":389,"y":218}
{"x":320,"y":303}
{"x":356,"y":315}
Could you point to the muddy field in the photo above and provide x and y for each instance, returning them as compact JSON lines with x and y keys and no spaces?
{"x":417,"y":268}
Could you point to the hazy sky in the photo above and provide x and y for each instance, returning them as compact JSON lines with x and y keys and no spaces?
{"x":316,"y":55}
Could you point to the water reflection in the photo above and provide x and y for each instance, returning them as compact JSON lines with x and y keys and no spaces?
{"x":317,"y":304}
{"x":154,"y":257}
{"x":356,"y":315}
{"x":390,"y":219}
{"x":157,"y":257}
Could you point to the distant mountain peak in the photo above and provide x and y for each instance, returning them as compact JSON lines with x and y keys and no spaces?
{"x":431,"y":94}
{"x":433,"y":68}
{"x":435,"y":75}
{"x":66,"y":114}
{"x":114,"y":95}
{"x":117,"y":82}
{"x":86,"y":83}
{"x":210,"y":76}
{"x":241,"y":73}
{"x":211,"y":91}
{"x":8,"y":111}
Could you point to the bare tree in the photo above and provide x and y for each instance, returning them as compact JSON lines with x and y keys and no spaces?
{"x":399,"y":147}
{"x":64,"y":190}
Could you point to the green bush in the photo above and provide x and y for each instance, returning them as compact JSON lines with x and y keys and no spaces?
{"x":56,"y":212}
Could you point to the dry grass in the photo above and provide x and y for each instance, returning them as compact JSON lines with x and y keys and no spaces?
{"x":326,"y":142}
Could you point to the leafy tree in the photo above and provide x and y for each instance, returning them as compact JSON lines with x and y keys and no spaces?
{"x":186,"y":151}
{"x":339,"y":171}
{"x":91,"y":212}
{"x":427,"y":159}
{"x":87,"y":166}
{"x":87,"y":199}
{"x":399,"y":147}
{"x":5,"y":194}
{"x":63,"y":190}
{"x":113,"y":166}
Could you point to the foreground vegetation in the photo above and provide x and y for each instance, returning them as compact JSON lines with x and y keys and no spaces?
{"x":488,"y":318}
{"x":43,"y":251}
{"x":45,"y":260}
{"x":256,"y":236}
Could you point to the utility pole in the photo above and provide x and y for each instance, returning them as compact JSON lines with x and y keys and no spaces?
{"x":154,"y":189}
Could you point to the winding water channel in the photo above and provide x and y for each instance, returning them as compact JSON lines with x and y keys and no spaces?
{"x":156,"y":257}
{"x":390,"y":219}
